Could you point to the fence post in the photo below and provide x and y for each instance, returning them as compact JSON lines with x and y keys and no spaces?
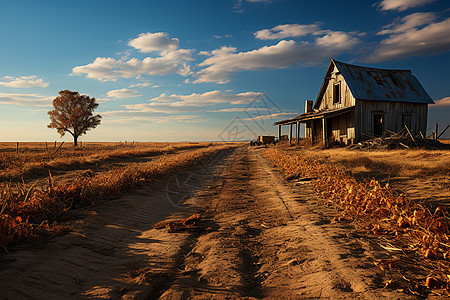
{"x":17,"y":148}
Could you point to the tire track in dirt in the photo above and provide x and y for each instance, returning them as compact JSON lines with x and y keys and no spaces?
{"x":273,"y":240}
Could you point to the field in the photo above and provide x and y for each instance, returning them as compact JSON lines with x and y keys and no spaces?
{"x":400,"y":195}
{"x":223,"y":221}
{"x":40,"y":185}
{"x":424,"y":175}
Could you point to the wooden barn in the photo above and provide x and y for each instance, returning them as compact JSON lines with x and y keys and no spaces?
{"x":356,"y":102}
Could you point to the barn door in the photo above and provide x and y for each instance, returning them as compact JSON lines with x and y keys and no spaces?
{"x":378,"y":124}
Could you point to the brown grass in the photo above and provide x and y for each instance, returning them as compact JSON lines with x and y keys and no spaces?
{"x":376,"y":207}
{"x":35,"y":160}
{"x":423,"y":175}
{"x":410,"y":163}
{"x":27,"y":210}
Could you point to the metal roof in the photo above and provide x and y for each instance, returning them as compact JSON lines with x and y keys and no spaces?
{"x":379,"y":84}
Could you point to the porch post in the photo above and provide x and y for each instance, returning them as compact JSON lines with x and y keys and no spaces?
{"x":279,"y":133}
{"x":290,"y":133}
{"x":324,"y":132}
{"x":298,"y":132}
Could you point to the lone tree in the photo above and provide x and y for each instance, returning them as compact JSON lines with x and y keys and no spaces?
{"x":73,"y":113}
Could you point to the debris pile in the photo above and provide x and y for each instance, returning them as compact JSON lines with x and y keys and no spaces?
{"x":400,"y":140}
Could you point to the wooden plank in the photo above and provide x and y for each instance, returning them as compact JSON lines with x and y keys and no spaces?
{"x":290,"y":133}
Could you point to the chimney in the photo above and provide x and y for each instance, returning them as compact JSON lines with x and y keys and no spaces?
{"x":308,"y":106}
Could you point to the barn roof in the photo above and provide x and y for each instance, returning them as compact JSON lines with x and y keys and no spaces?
{"x":377,"y":84}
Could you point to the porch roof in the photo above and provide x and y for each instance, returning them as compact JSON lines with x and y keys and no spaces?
{"x":316,"y":115}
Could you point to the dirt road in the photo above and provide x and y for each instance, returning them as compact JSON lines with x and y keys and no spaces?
{"x":260,"y":237}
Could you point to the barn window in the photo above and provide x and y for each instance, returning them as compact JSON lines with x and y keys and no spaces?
{"x":378,"y":124}
{"x":337,"y":93}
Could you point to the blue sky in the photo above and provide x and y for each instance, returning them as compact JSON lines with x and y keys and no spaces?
{"x":178,"y":70}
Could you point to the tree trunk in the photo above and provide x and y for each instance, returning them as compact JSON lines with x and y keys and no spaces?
{"x":75,"y":140}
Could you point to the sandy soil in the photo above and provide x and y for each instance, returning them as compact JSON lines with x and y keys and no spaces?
{"x":260,"y":237}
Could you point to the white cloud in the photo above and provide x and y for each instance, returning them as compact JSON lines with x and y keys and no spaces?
{"x":225,"y":61}
{"x":409,"y":22}
{"x":192,"y":103}
{"x":23,"y":82}
{"x":444,"y":102}
{"x":411,"y":37}
{"x":271,"y":116}
{"x":109,"y":69}
{"x":139,"y":117}
{"x":141,"y":85}
{"x":225,"y":36}
{"x":286,"y":30}
{"x":159,"y":41}
{"x":122,"y":93}
{"x":208,"y":98}
{"x":243,"y":109}
{"x":25,"y":99}
{"x":402,"y":5}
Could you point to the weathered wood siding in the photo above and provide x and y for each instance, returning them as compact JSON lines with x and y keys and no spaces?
{"x":347,"y":98}
{"x":343,"y":127}
{"x":313,"y":130}
{"x":394,"y":115}
{"x":308,"y":132}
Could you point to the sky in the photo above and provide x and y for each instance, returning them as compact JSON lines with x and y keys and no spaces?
{"x":205,"y":70}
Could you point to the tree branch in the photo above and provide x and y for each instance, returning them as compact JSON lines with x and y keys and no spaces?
{"x":68,"y":130}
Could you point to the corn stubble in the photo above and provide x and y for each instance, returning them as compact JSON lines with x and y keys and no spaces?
{"x":380,"y":211}
{"x":29,"y":212}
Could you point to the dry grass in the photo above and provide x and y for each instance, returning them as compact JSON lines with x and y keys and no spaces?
{"x":34,"y":159}
{"x":422,"y":234}
{"x":27,"y":209}
{"x":410,"y":163}
{"x":423,"y":175}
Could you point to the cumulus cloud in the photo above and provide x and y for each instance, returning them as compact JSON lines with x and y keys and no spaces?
{"x":409,"y":22}
{"x":122,"y":93}
{"x":444,"y":102}
{"x":286,"y":53}
{"x":159,"y":41}
{"x":416,"y":34}
{"x":140,"y":117}
{"x":242,"y":109}
{"x":287,"y":30}
{"x":141,"y":85}
{"x":271,"y":116}
{"x":109,"y":69}
{"x":208,"y":98}
{"x":402,"y":5}
{"x":25,"y":99}
{"x":23,"y":82}
{"x":192,"y":103}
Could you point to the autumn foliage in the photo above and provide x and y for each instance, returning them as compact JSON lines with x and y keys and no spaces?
{"x":73,"y":113}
